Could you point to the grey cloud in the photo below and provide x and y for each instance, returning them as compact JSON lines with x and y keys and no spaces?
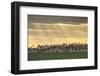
{"x":56,"y":19}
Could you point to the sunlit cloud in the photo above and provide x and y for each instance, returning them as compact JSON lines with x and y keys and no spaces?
{"x":59,"y":24}
{"x":51,"y":30}
{"x":58,"y":30}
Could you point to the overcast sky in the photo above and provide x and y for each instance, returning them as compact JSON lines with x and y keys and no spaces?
{"x":40,"y":26}
{"x":56,"y":19}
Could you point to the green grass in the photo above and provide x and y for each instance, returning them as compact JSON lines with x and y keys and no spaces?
{"x":58,"y":55}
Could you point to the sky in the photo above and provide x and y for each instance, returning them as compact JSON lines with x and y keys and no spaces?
{"x":45,"y":29}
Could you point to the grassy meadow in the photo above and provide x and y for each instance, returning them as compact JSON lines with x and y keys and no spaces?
{"x":57,"y":55}
{"x":64,"y":51}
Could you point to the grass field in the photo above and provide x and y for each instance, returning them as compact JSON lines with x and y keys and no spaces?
{"x":57,"y":55}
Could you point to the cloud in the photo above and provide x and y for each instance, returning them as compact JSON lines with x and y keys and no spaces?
{"x":56,"y":19}
{"x":53,"y":25}
{"x":58,"y":30}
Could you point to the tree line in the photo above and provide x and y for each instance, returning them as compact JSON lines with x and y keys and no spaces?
{"x":72,"y":47}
